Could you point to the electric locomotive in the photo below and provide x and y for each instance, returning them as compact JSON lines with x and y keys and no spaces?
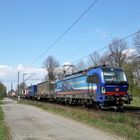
{"x":101,"y":86}
{"x":31,"y":91}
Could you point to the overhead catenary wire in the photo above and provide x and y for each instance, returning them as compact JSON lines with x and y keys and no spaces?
{"x":64,"y":33}
{"x":116,"y":28}
{"x":98,"y":50}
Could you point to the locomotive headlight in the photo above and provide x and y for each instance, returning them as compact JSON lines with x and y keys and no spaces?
{"x":103,"y":90}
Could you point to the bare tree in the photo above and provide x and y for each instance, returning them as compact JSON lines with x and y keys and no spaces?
{"x":104,"y":59}
{"x":137,"y":42}
{"x":59,"y":73}
{"x":136,"y":67}
{"x":62,"y":72}
{"x":116,"y":56}
{"x":136,"y":58}
{"x":129,"y":71}
{"x":135,"y":62}
{"x":2,"y":90}
{"x":94,"y":59}
{"x":80,"y":66}
{"x":51,"y":64}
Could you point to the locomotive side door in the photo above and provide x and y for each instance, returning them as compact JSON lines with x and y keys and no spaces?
{"x":93,"y":81}
{"x":90,"y":86}
{"x":90,"y":89}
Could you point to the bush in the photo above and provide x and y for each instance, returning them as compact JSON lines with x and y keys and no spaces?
{"x":4,"y":130}
{"x":2,"y":90}
{"x":135,"y":91}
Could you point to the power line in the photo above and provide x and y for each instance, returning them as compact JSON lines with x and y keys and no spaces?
{"x":64,"y":33}
{"x":124,"y":38}
{"x":117,"y":28}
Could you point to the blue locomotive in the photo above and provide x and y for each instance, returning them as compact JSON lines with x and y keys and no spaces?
{"x":101,"y":86}
{"x":31,"y":91}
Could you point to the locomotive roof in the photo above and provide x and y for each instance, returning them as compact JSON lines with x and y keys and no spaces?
{"x":46,"y":82}
{"x":74,"y":75}
{"x":84,"y":72}
{"x":79,"y":73}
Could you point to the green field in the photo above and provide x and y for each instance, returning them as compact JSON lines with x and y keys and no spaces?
{"x":120,"y":124}
{"x":4,"y":130}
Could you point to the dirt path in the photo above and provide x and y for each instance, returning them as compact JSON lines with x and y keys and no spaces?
{"x":31,"y":123}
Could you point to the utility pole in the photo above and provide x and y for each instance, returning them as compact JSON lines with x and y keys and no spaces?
{"x":11,"y":88}
{"x":24,"y":82}
{"x":18,"y":82}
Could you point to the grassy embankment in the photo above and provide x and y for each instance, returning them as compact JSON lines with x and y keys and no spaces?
{"x":135,"y":91}
{"x":118,"y":123}
{"x":4,"y":131}
{"x":135,"y":101}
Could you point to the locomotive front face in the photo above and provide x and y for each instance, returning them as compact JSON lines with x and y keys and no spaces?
{"x":112,"y":86}
{"x":115,"y":81}
{"x":115,"y":87}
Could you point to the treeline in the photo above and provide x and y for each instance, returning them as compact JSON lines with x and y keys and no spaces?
{"x":117,"y":55}
{"x":2,"y":90}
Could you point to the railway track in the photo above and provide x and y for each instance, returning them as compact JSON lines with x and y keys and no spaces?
{"x":132,"y":108}
{"x":132,"y":111}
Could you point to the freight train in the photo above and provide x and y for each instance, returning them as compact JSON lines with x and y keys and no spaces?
{"x":102,"y":86}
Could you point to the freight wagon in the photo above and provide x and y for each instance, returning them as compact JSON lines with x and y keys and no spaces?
{"x":45,"y":90}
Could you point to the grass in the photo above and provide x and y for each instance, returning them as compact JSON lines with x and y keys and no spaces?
{"x":117,"y":123}
{"x":0,"y":101}
{"x":4,"y":130}
{"x":135,"y":101}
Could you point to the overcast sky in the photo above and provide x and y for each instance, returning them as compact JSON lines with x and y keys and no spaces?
{"x":29,"y":27}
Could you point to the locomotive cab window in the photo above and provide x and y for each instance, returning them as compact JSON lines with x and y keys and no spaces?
{"x":93,"y":79}
{"x":114,"y":75}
